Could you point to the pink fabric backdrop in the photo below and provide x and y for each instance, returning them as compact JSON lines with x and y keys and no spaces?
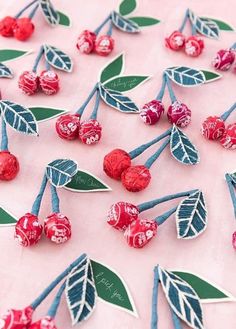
{"x":25,"y":272}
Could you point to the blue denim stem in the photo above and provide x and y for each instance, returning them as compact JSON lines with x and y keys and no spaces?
{"x":37,"y":60}
{"x":186,"y":17}
{"x":170,"y":89}
{"x":4,"y":141}
{"x":80,"y":111}
{"x":98,"y":29}
{"x":194,"y":30}
{"x":139,"y":150}
{"x":55,"y":282}
{"x":36,"y":205}
{"x":160,"y":95}
{"x":232,"y":192}
{"x":154,"y":316}
{"x":55,"y":199}
{"x":56,"y":302}
{"x":156,"y":155}
{"x":96,"y":106}
{"x":151,"y":204}
{"x":109,"y":31}
{"x":176,"y":320}
{"x":33,"y":12}
{"x":47,"y":66}
{"x":162,"y":218}
{"x":225,"y":115}
{"x":25,"y":8}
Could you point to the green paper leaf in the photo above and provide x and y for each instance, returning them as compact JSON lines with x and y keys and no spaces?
{"x":223,"y":26}
{"x":114,"y":68}
{"x":10,"y":54}
{"x":211,"y":76}
{"x":64,"y":19}
{"x":5,"y":72}
{"x":125,"y":83}
{"x":84,"y":181}
{"x":6,"y":219}
{"x":127,"y":6}
{"x":206,"y":291}
{"x":144,"y":21}
{"x":42,"y":113}
{"x":111,"y":288}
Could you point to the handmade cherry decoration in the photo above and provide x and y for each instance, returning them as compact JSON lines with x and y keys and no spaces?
{"x":213,"y":128}
{"x":224,"y":58}
{"x":47,"y":81}
{"x":103,"y":44}
{"x":137,"y":177}
{"x":125,"y":217}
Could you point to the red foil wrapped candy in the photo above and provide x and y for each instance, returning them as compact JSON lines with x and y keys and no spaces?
{"x":28,"y":82}
{"x":121,"y":214}
{"x":223,"y":59}
{"x":57,"y":228}
{"x":179,"y":114}
{"x":23,"y":28}
{"x":136,"y":178}
{"x":16,"y":319}
{"x":86,"y":41}
{"x":152,"y":111}
{"x":194,"y":46}
{"x":9,"y":166}
{"x":67,"y":126}
{"x":175,"y":41}
{"x":49,"y":82}
{"x":228,"y":140}
{"x":116,"y":162}
{"x":28,"y":231}
{"x":104,"y":45}
{"x":6,"y":26}
{"x":90,"y":132}
{"x":213,"y":128}
{"x":45,"y":323}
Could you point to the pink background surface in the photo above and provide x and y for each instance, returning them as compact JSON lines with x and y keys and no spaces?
{"x":25,"y":272}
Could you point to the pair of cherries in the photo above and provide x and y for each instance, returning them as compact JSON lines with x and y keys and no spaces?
{"x":56,"y":227}
{"x":192,"y":46}
{"x":30,"y":83}
{"x":19,"y":28}
{"x":224,"y":59}
{"x":89,"y":42}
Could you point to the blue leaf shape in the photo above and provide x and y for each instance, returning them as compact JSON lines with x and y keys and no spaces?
{"x":123,"y":23}
{"x":233,"y":178}
{"x":5,"y":72}
{"x":81,"y":292}
{"x":205,"y":26}
{"x":57,"y":58}
{"x":182,"y":149}
{"x":185,"y":76}
{"x":117,"y":100}
{"x":19,"y":117}
{"x":182,"y":299}
{"x":60,"y":171}
{"x":50,"y":14}
{"x":191,"y":216}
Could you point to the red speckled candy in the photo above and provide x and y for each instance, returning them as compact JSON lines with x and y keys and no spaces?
{"x":136,"y":178}
{"x":179,"y":114}
{"x":9,"y":166}
{"x":28,"y":231}
{"x":213,"y":128}
{"x":121,"y":214}
{"x":28,"y":82}
{"x":228,"y":140}
{"x":67,"y":126}
{"x":23,"y":28}
{"x":57,"y":228}
{"x":140,"y":232}
{"x":175,"y":41}
{"x":86,"y":42}
{"x":234,"y":240}
{"x":90,"y":132}
{"x":104,"y":45}
{"x":6,"y":26}
{"x":49,"y":82}
{"x":116,"y":162}
{"x":16,"y":319}
{"x":151,"y":112}
{"x":223,"y":60}
{"x":45,"y":323}
{"x":194,"y":46}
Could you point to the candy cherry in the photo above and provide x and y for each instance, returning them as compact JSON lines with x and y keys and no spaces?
{"x":104,"y":45}
{"x":213,"y":128}
{"x":9,"y":166}
{"x":49,"y":82}
{"x":16,"y":319}
{"x":121,"y":214}
{"x":67,"y":126}
{"x":6,"y":26}
{"x":90,"y":131}
{"x":28,"y":82}
{"x":194,"y":46}
{"x":136,"y":178}
{"x":57,"y":228}
{"x":223,"y":59}
{"x":140,"y":232}
{"x":228,"y":140}
{"x":175,"y":41}
{"x":86,"y":42}
{"x":179,"y":114}
{"x":152,"y":111}
{"x":116,"y":162}
{"x":28,"y":231}
{"x":45,"y":323}
{"x":23,"y":28}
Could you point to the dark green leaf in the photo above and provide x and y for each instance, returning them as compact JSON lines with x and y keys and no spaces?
{"x":113,"y":69}
{"x":144,"y":21}
{"x":127,"y":6}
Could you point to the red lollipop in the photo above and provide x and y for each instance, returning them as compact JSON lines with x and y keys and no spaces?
{"x":121,"y":214}
{"x":115,"y":162}
{"x":28,"y":231}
